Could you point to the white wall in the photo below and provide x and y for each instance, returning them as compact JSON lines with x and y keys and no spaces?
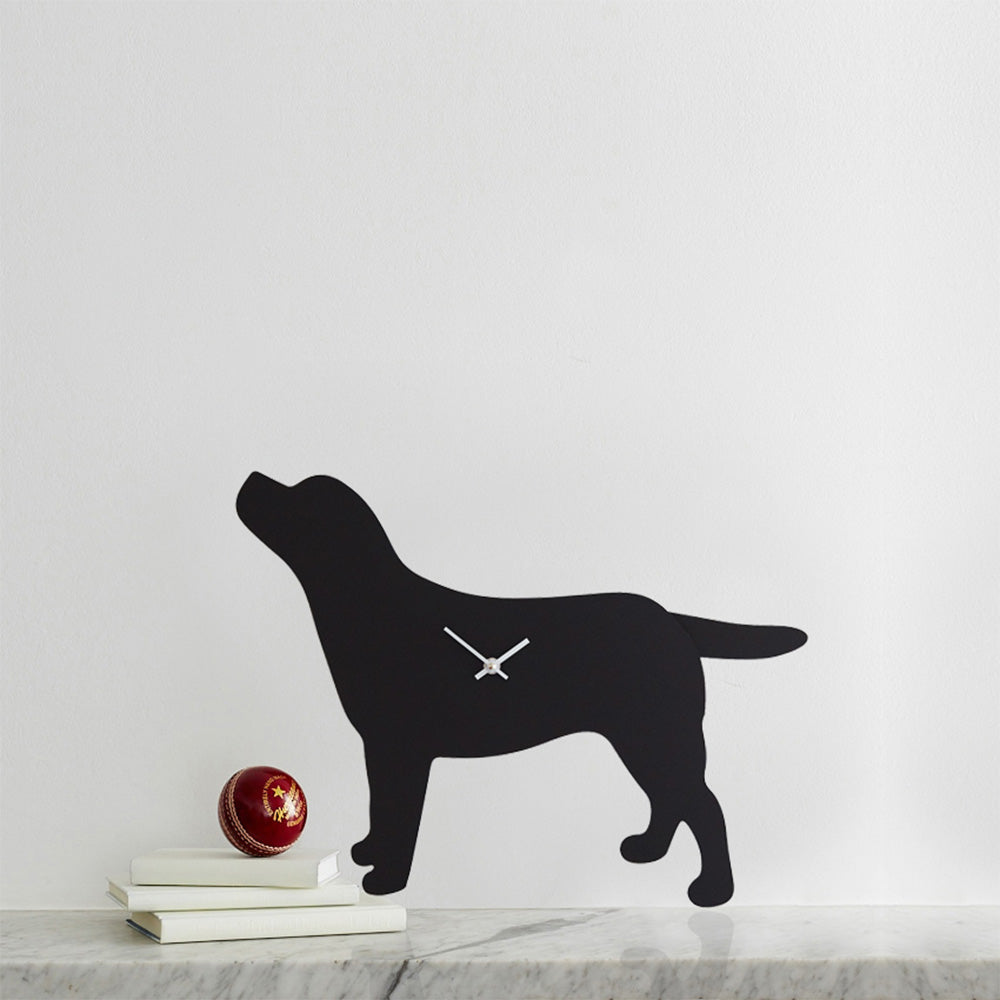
{"x":695,"y":300}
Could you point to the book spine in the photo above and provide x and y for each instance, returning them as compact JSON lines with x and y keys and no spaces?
{"x":154,"y":898}
{"x":293,"y":922}
{"x":163,"y":871}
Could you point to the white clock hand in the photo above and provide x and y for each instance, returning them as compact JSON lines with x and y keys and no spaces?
{"x":510,"y":652}
{"x":479,"y":656}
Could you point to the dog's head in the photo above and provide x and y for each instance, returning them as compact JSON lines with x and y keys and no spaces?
{"x":311,"y":523}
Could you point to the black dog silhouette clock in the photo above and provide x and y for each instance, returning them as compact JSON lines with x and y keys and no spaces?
{"x":424,"y":671}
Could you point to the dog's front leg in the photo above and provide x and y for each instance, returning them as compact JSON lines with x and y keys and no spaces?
{"x":397,"y":784}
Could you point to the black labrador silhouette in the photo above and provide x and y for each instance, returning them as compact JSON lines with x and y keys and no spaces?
{"x":424,"y":671}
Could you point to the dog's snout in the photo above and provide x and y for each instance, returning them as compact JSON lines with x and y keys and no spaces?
{"x":259,"y":479}
{"x":258,"y":490}
{"x":259,"y":483}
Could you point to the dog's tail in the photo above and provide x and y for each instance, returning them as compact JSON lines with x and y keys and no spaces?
{"x":729,"y":641}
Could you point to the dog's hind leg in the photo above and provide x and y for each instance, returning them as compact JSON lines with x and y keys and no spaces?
{"x":669,"y":767}
{"x":654,"y":767}
{"x":703,"y":815}
{"x":397,"y":784}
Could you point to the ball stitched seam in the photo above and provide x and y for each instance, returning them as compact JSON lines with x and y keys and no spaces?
{"x":239,"y":829}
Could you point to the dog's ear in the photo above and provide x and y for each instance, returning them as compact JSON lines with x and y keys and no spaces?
{"x":318,"y":483}
{"x":339,"y":525}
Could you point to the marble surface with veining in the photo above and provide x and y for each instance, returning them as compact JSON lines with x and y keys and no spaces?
{"x":733,"y":953}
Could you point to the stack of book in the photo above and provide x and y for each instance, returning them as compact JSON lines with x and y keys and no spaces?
{"x":217,"y":894}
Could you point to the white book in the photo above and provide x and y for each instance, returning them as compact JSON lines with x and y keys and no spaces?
{"x":227,"y":897}
{"x":179,"y":926}
{"x":297,"y":868}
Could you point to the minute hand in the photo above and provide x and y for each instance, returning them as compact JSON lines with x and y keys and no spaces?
{"x":475,"y":652}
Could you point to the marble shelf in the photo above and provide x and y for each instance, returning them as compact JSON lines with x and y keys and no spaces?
{"x":734,"y":953}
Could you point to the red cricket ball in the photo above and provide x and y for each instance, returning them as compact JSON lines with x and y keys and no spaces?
{"x":262,"y":811}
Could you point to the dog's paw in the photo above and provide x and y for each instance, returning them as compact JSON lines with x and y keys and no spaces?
{"x":363,"y":853}
{"x":642,"y":848}
{"x":706,"y":891}
{"x":375,"y":883}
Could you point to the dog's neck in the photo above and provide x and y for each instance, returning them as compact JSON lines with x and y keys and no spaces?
{"x":355,"y":575}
